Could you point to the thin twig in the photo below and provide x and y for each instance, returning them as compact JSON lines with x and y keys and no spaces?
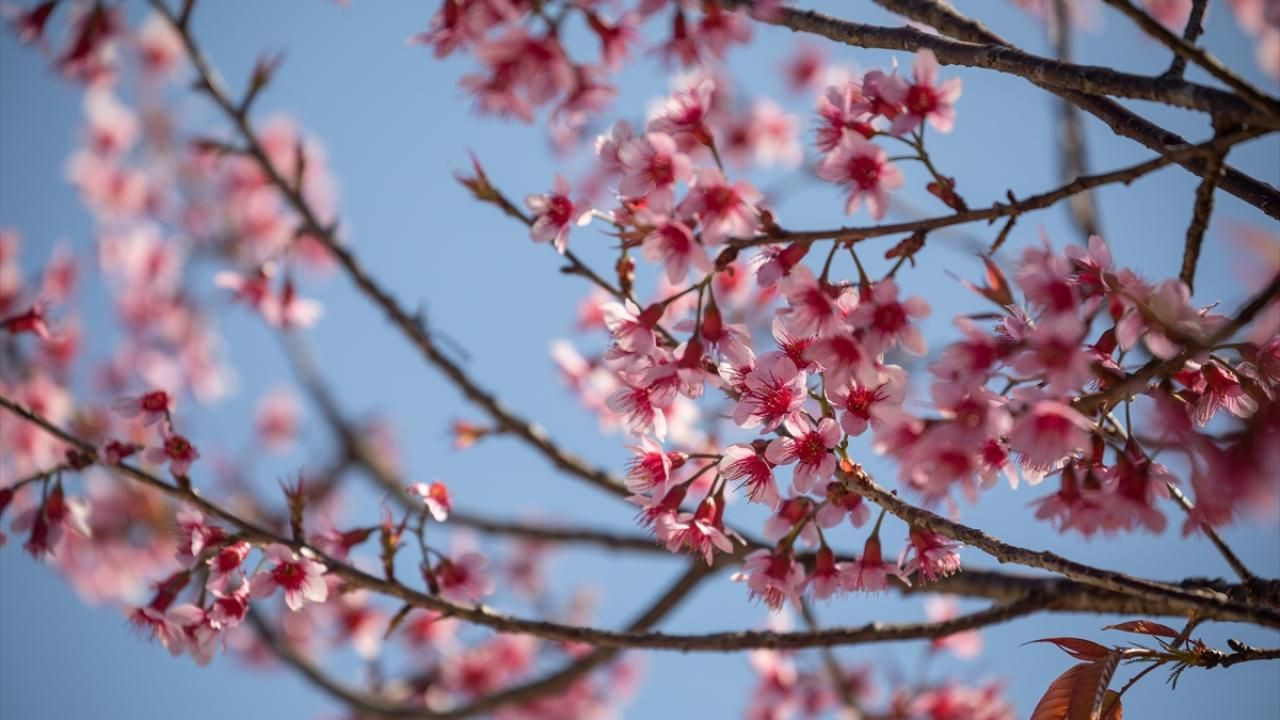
{"x":1200,"y":219}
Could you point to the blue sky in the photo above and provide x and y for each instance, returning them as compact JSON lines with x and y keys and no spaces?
{"x":395,"y":127}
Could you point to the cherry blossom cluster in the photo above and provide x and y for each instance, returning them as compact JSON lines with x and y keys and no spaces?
{"x":763,"y":374}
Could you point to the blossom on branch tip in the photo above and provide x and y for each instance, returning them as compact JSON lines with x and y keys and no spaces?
{"x":435,"y":498}
{"x":301,"y":578}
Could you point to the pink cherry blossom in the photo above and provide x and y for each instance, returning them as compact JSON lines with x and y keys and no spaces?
{"x":774,"y":395}
{"x":810,"y":450}
{"x":652,"y":164}
{"x":1048,"y":433}
{"x":865,"y":168}
{"x":870,"y":572}
{"x":672,"y":243}
{"x":774,"y":577}
{"x":435,"y":498}
{"x":462,"y":579}
{"x":150,"y":407}
{"x":175,"y":450}
{"x":888,"y":321}
{"x":299,"y":577}
{"x":861,"y":405}
{"x":724,"y":211}
{"x":745,"y":462}
{"x":924,"y":98}
{"x":553,"y":213}
{"x":932,"y":556}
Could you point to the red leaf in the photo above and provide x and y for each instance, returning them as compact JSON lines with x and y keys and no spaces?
{"x":1145,"y":627}
{"x":1078,"y":693}
{"x":1078,"y":648}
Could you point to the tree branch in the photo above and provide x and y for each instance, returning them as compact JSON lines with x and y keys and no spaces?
{"x":948,"y":21}
{"x":1091,"y":79}
{"x":1200,"y":219}
{"x":1073,"y":156}
{"x":1203,"y":58}
{"x":1190,"y":33}
{"x":1206,"y":603}
{"x":1010,"y":209}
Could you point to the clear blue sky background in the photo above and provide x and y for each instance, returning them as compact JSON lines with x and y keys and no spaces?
{"x":395,"y":126}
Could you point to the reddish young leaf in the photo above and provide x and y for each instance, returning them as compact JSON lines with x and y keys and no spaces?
{"x":1145,"y":627}
{"x":1078,"y":693}
{"x":1077,"y":648}
{"x":1112,"y":709}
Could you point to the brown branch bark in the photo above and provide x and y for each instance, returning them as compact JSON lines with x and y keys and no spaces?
{"x":1073,"y":155}
{"x":1200,"y":220}
{"x":1091,"y":79}
{"x":1188,"y":51}
{"x":1012,"y":209}
{"x":548,"y":684}
{"x":1190,"y":33}
{"x":949,"y":22}
{"x":1203,"y":602}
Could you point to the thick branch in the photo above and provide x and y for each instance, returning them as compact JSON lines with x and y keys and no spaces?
{"x":1074,"y":160}
{"x":1043,"y":71}
{"x":481,"y":615}
{"x":1200,"y":220}
{"x":1136,"y":382}
{"x":549,"y":684}
{"x":1121,"y":121}
{"x":1184,"y":49}
{"x":1011,"y":209}
{"x":1204,"y":602}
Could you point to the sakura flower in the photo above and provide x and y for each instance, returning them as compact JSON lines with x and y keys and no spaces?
{"x":887,"y":321}
{"x":865,"y":168}
{"x":651,"y":467}
{"x":462,"y":580}
{"x":825,"y":579}
{"x":1054,"y":353}
{"x":114,"y":452}
{"x":151,"y":407}
{"x":932,"y":555}
{"x":1069,"y":507}
{"x":861,"y":405}
{"x":842,"y":359}
{"x":725,"y":211}
{"x":773,"y":577}
{"x":774,"y":395}
{"x":176,"y":450}
{"x":925,"y":98}
{"x":870,"y":573}
{"x":841,"y":113}
{"x":1222,"y":391}
{"x":701,"y":532}
{"x":301,"y":578}
{"x":1047,"y":433}
{"x":811,"y":449}
{"x":632,"y":330}
{"x":1130,"y":491}
{"x":435,"y":498}
{"x":684,"y":114}
{"x":276,"y":420}
{"x":553,"y":213}
{"x":226,"y":564}
{"x":160,"y":45}
{"x":651,"y":165}
{"x":229,"y":608}
{"x":747,"y":463}
{"x":794,"y":511}
{"x":608,"y":147}
{"x":964,"y":644}
{"x":842,"y":502}
{"x":814,"y":306}
{"x":642,"y":408}
{"x":194,"y":535}
{"x":672,"y":243}
{"x":31,"y":321}
{"x":776,"y":263}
